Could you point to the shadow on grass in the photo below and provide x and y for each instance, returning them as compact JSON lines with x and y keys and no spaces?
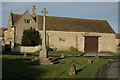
{"x":11,"y":69}
{"x":79,"y":70}
{"x":57,"y":59}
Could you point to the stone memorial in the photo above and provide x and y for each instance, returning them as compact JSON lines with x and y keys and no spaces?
{"x":72,"y":70}
{"x":43,"y":56}
{"x":90,"y":61}
{"x":25,"y":55}
{"x":62,"y":56}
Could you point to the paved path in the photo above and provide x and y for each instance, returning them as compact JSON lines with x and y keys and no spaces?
{"x":111,"y":70}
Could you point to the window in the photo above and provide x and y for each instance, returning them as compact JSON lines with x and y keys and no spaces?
{"x":27,"y":21}
{"x":61,"y":39}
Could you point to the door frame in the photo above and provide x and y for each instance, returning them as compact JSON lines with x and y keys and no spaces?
{"x":97,"y":43}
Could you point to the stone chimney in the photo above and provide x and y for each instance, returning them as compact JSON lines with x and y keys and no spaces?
{"x":34,"y":11}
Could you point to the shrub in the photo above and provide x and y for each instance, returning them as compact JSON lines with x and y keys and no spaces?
{"x":31,"y":37}
{"x":73,"y":48}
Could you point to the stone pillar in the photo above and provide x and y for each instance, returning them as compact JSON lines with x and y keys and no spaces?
{"x":43,"y":56}
{"x":44,"y":53}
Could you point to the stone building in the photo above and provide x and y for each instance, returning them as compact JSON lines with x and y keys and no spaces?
{"x":118,"y":38}
{"x":2,"y":48}
{"x":86,"y":35}
{"x":118,"y":42}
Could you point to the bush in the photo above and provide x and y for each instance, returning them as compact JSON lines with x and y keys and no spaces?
{"x":31,"y":37}
{"x":73,"y":49}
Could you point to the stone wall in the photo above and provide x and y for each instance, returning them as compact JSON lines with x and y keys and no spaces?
{"x":21,"y":26}
{"x":26,"y":49}
{"x":107,"y":42}
{"x":64,"y":40}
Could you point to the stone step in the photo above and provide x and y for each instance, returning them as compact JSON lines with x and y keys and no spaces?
{"x":56,"y":62}
{"x":49,"y":58}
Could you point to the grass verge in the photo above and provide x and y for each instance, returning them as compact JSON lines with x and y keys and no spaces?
{"x":66,"y":52}
{"x":15,"y":67}
{"x":63,"y":52}
{"x":111,"y":53}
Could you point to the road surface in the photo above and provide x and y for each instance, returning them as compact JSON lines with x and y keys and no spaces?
{"x":111,"y":70}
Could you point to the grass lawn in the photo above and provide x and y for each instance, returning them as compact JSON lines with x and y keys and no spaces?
{"x":15,"y":67}
{"x":66,"y":52}
{"x":111,"y":53}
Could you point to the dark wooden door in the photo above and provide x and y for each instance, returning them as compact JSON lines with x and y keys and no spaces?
{"x":91,"y":44}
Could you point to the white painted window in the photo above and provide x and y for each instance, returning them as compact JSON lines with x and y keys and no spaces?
{"x":27,"y":21}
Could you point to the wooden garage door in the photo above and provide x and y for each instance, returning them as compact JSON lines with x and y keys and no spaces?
{"x":91,"y":44}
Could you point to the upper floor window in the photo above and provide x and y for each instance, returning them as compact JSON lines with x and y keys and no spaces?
{"x":27,"y":21}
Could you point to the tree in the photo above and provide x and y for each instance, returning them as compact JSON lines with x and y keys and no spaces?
{"x":31,"y":37}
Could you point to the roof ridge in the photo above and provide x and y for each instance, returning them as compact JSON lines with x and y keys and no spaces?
{"x":17,"y":14}
{"x":74,"y":18}
{"x":66,"y":17}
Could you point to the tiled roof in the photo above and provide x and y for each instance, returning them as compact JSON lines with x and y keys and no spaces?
{"x":71,"y":24}
{"x":75,"y":24}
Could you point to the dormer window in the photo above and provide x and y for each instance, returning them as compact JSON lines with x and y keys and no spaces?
{"x":27,"y":21}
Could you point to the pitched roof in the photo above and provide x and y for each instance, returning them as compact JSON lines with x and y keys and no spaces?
{"x":71,"y":24}
{"x":15,"y":17}
{"x":75,"y":24}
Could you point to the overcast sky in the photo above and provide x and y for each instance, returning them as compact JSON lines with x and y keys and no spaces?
{"x":85,"y":10}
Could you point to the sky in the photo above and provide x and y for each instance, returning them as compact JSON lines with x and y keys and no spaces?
{"x":60,"y":0}
{"x":85,"y":10}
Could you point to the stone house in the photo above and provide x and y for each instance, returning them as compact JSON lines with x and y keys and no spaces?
{"x":2,"y":38}
{"x":86,"y":35}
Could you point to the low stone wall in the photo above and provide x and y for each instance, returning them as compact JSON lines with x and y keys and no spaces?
{"x":26,"y":49}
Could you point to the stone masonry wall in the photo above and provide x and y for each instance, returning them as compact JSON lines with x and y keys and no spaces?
{"x":64,"y":40}
{"x":21,"y":26}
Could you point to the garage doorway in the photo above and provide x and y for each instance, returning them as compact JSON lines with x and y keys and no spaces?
{"x":91,"y":44}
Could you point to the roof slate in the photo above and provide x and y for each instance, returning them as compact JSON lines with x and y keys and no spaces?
{"x":15,"y":17}
{"x":71,"y":24}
